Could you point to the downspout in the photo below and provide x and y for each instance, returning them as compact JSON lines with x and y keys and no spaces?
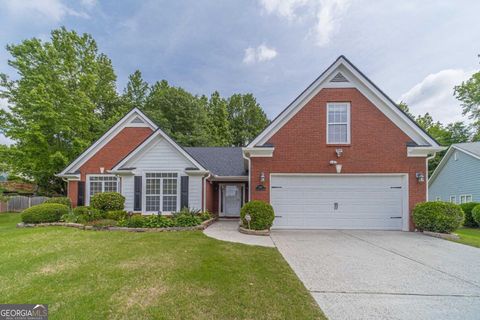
{"x":426,"y":173}
{"x":204,"y":204}
{"x":249,"y":174}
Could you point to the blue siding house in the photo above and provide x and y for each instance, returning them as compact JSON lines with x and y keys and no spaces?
{"x":457,"y":177}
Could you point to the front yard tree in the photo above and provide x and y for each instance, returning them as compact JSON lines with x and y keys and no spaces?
{"x":62,"y":100}
{"x":247,"y":119}
{"x":219,"y":126}
{"x":136,"y":92}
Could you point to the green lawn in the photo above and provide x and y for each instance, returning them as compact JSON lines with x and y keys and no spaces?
{"x":123,"y":275}
{"x":469,"y":236}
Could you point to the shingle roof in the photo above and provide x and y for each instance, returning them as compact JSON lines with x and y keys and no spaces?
{"x":472,"y":147}
{"x":221,"y":161}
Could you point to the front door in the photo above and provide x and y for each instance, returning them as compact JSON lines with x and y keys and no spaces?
{"x":232,"y":200}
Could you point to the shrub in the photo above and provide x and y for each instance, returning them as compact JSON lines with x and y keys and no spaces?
{"x":136,"y":221}
{"x":70,"y":217}
{"x":467,"y":209}
{"x":261,"y":214}
{"x":204,"y":216}
{"x":476,"y":214}
{"x":62,"y":200}
{"x":117,"y":215}
{"x":192,"y":212}
{"x":45,"y":212}
{"x":87,"y":214}
{"x":187,"y":220}
{"x":103,"y":223}
{"x":438,"y":216}
{"x":157,"y":221}
{"x":108,"y":201}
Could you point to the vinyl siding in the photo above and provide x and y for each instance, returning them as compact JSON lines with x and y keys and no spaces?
{"x":457,"y":177}
{"x":161,"y":156}
{"x":195,"y":192}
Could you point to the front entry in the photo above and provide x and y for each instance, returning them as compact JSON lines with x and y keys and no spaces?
{"x":231,"y":200}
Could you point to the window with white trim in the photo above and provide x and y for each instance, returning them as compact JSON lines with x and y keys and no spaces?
{"x":98,"y":184}
{"x":161,"y":191}
{"x":464,"y":198}
{"x":338,"y":123}
{"x":453,"y":199}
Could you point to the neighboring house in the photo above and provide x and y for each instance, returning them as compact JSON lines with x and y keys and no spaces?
{"x":342,"y":155}
{"x":457,"y":177}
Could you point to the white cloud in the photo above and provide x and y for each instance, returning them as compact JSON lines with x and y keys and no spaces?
{"x":324,"y":14}
{"x":53,"y":10}
{"x":434,"y":94}
{"x":259,"y":54}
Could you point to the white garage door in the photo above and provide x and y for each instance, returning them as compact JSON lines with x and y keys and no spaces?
{"x":338,"y":201}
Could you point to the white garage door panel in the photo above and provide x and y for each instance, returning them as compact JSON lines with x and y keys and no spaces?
{"x":363,"y":202}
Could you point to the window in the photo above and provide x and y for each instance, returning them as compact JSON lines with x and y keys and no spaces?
{"x":338,"y":123}
{"x":464,"y":198}
{"x":161,"y":191}
{"x":453,"y":199}
{"x":438,"y":198}
{"x":104,"y":183}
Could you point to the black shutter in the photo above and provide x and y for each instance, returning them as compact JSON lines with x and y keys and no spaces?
{"x":81,"y":193}
{"x":137,"y":197}
{"x":184,"y":192}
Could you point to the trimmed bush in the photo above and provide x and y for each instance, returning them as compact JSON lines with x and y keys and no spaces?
{"x":116,"y":215}
{"x":476,"y":214}
{"x":62,"y":200}
{"x":187,"y":220}
{"x":88,"y":214}
{"x":45,"y":212}
{"x":438,"y":216}
{"x":467,"y":209}
{"x":261,"y":214}
{"x":158,"y":221}
{"x":108,"y":201}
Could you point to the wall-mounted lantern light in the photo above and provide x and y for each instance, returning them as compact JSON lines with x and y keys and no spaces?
{"x":102,"y":169}
{"x":262,"y":177}
{"x":338,"y":167}
{"x":420,"y":177}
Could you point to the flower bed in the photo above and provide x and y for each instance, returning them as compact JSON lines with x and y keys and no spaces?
{"x":201,"y":226}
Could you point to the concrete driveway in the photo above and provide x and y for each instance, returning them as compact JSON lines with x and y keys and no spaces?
{"x":385,"y":274}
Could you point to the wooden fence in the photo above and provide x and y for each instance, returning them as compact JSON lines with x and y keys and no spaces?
{"x":20,"y":203}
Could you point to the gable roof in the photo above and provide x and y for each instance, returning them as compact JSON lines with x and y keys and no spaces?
{"x":470,"y":148}
{"x":144,"y":146}
{"x":134,"y":118}
{"x":221,"y":161}
{"x":343,"y":74}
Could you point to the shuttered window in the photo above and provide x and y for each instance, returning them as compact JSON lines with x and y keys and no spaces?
{"x":161,"y":191}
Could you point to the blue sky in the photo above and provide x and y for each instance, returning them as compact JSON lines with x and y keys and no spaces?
{"x":413,"y":50}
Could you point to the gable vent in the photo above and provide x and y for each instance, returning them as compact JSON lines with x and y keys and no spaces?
{"x":339,"y":78}
{"x":137,"y":120}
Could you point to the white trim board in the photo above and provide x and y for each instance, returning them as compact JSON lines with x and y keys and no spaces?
{"x":356,"y":80}
{"x":106,"y":137}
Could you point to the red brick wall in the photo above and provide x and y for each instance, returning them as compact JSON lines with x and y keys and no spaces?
{"x":377,"y":145}
{"x":115,"y":150}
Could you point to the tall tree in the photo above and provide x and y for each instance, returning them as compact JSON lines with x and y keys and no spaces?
{"x":136,"y":92}
{"x":63,"y":99}
{"x":180,"y":114}
{"x":404,"y":107}
{"x":247,"y":119}
{"x":219,"y":127}
{"x":468,"y":92}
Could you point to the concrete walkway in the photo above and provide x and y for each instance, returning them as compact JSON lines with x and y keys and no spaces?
{"x":227,"y":230}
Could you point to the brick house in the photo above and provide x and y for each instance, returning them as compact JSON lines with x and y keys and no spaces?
{"x":342,"y":155}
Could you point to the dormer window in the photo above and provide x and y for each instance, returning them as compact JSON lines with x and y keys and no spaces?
{"x":338,"y":123}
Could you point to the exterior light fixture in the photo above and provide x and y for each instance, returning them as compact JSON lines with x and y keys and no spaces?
{"x":339,"y":152}
{"x":102,"y":169}
{"x":420,"y":177}
{"x":262,"y":177}
{"x":248,"y":218}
